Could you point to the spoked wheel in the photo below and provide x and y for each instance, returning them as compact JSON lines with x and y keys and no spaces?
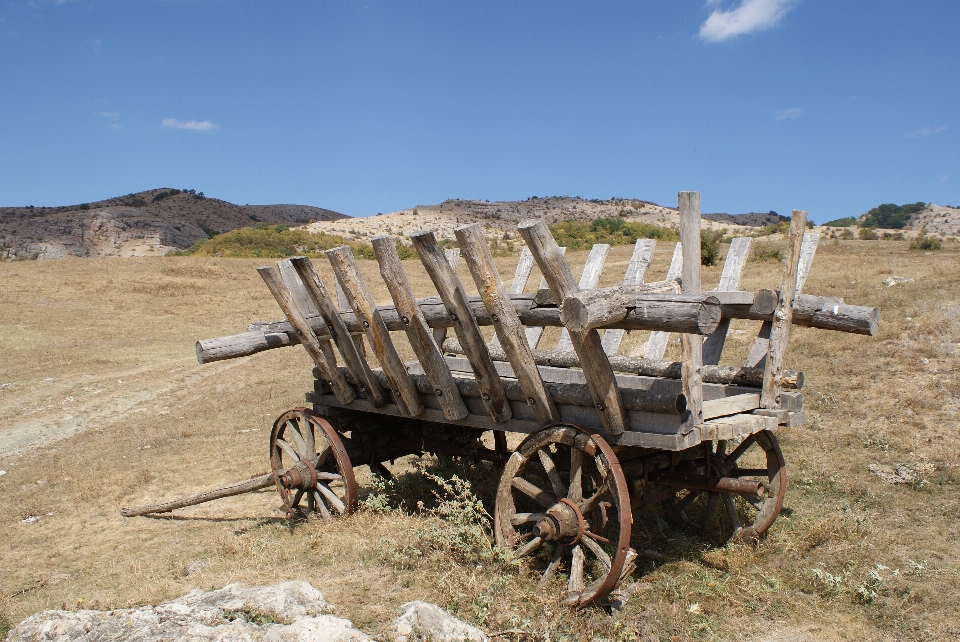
{"x":311,"y":466}
{"x":730,"y":516}
{"x":563,"y":501}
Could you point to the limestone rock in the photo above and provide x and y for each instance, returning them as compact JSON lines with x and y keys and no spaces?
{"x":421,"y":621}
{"x":896,"y":280}
{"x":291,"y":611}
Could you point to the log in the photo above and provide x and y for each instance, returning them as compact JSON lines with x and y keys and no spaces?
{"x":237,"y":488}
{"x":588,"y":281}
{"x":670,"y":312}
{"x":639,"y":262}
{"x":725,"y":375}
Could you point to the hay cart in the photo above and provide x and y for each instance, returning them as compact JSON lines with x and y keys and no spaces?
{"x":606,"y":434}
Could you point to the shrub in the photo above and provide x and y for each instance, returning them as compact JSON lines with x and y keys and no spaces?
{"x":924,"y":242}
{"x":613,"y":230}
{"x":710,"y":245}
{"x":890,"y":215}
{"x":845,"y":235}
{"x":846,"y":221}
{"x":766,"y":252}
{"x":867,"y":234}
{"x":84,"y":206}
{"x":279,"y":242}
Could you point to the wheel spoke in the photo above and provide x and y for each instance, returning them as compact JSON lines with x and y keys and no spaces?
{"x":296,"y":498}
{"x":683,"y":503}
{"x":575,"y":492}
{"x":602,"y":491}
{"x":287,"y":448}
{"x":710,"y":511}
{"x":597,"y":550}
{"x":732,"y":512}
{"x":739,"y":450}
{"x":551,"y":569}
{"x":309,"y":439}
{"x":748,"y":472}
{"x":328,"y":476}
{"x":321,"y":506}
{"x":528,"y":548}
{"x":575,"y":584}
{"x":542,"y":497}
{"x":311,"y":504}
{"x":559,"y":489}
{"x":321,"y":457}
{"x":298,"y":440}
{"x":332,"y":498}
{"x":525,"y":518}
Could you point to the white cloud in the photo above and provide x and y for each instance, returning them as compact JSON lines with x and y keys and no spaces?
{"x":195,"y":125}
{"x":749,"y":16}
{"x":926,"y":131}
{"x":788,"y":114}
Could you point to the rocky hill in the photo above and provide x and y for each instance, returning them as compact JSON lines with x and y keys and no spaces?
{"x":141,"y":224}
{"x":936,"y":219}
{"x":752,"y":219}
{"x":499,"y":218}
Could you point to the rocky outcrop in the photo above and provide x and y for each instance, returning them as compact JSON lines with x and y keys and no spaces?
{"x":293,"y":611}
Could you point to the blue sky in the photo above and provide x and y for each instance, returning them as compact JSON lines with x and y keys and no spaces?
{"x":366,"y":107}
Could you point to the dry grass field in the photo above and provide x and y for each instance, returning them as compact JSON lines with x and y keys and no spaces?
{"x":103,"y":405}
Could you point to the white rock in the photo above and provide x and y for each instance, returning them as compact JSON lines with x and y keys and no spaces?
{"x":292,"y":611}
{"x":421,"y":621}
{"x":896,"y":280}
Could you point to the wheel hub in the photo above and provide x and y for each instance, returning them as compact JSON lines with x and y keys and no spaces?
{"x":563,"y":521}
{"x":301,"y":476}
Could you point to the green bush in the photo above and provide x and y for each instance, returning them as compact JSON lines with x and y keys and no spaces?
{"x":279,"y":242}
{"x":846,"y":221}
{"x":613,"y":230}
{"x":867,"y":234}
{"x":765,"y":252}
{"x":891,"y":216}
{"x":710,"y":246}
{"x":924,"y":242}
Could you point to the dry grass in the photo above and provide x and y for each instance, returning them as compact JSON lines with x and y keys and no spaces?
{"x":850,"y":556}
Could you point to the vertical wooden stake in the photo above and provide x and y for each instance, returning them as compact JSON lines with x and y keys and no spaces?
{"x":691,"y":344}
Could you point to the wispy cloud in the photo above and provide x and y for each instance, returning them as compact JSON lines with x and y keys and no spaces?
{"x":788,"y":114}
{"x":747,"y":17}
{"x":926,"y":131}
{"x":106,"y":114}
{"x":194,"y":125}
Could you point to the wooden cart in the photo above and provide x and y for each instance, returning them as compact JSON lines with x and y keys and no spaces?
{"x":606,"y":433}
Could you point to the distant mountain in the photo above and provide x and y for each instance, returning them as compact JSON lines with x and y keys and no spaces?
{"x":751,"y":219}
{"x":141,"y":224}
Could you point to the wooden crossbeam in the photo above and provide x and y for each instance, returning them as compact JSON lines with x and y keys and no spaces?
{"x":417,"y":330}
{"x":729,"y":282}
{"x":404,"y":390}
{"x":520,"y":278}
{"x":657,"y":342}
{"x":464,"y":324}
{"x":588,"y":281}
{"x":506,"y":322}
{"x":636,"y":269}
{"x":534,"y":333}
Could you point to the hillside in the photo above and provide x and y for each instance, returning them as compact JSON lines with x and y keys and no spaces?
{"x":752,"y":219}
{"x":500,"y":218}
{"x":141,"y":224}
{"x":936,"y":219}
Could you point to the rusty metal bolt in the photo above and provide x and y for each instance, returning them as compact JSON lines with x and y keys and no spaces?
{"x":405,"y":320}
{"x":495,"y":318}
{"x":485,"y":397}
{"x":453,"y":317}
{"x":531,"y":401}
{"x":366,"y":324}
{"x":439,"y":392}
{"x":600,"y":406}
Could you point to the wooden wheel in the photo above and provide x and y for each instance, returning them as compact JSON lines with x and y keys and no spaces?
{"x":311,"y":466}
{"x":729,"y":515}
{"x":563,"y":501}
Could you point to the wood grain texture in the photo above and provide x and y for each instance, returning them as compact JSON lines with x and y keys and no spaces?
{"x":404,"y":392}
{"x":417,"y":330}
{"x":588,"y":281}
{"x":534,"y":333}
{"x":596,"y":369}
{"x":729,"y":282}
{"x":464,"y":324}
{"x":691,"y":345}
{"x":520,"y":277}
{"x":328,"y":366}
{"x":780,"y":331}
{"x":636,"y":269}
{"x":656,"y":344}
{"x":338,"y":330}
{"x":656,"y":303}
{"x":506,"y":322}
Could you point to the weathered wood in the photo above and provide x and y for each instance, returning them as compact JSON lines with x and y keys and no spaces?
{"x":236,"y":488}
{"x":535,"y":332}
{"x":520,"y":278}
{"x":345,"y":267}
{"x":596,"y":368}
{"x":636,"y":269}
{"x":729,"y":282}
{"x":416,"y":328}
{"x":727,"y":375}
{"x":691,"y":345}
{"x":780,"y":332}
{"x":671,"y":312}
{"x":588,"y":281}
{"x":656,"y":344}
{"x":506,"y":322}
{"x":735,"y":427}
{"x":730,"y":405}
{"x":464,"y":323}
{"x":328,"y":367}
{"x":338,"y":330}
{"x":453,"y":258}
{"x":248,"y":343}
{"x":303,"y":302}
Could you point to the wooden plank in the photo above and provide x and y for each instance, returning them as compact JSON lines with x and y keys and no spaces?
{"x":328,"y":366}
{"x":416,"y":328}
{"x":636,"y":269}
{"x":780,"y":332}
{"x":404,"y":392}
{"x":659,"y":304}
{"x":734,"y":427}
{"x":520,"y":278}
{"x":730,"y":405}
{"x":596,"y":368}
{"x":656,"y":345}
{"x":506,"y":322}
{"x":691,"y":345}
{"x":588,"y":281}
{"x":534,"y":333}
{"x":464,"y":324}
{"x":729,"y":282}
{"x":453,"y":258}
{"x":338,"y":330}
{"x":761,"y":346}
